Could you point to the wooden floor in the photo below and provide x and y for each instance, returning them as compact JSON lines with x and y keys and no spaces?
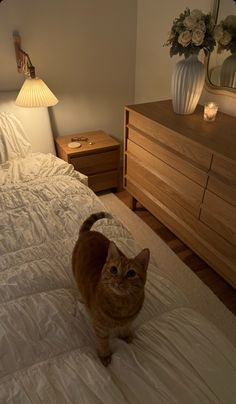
{"x":222,"y":289}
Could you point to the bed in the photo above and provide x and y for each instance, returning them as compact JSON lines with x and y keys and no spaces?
{"x":47,"y":345}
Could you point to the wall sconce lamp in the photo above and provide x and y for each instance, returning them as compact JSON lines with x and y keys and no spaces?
{"x":34,"y":92}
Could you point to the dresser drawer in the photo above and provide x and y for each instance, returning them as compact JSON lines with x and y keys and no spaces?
{"x":207,"y":243}
{"x":222,"y":179}
{"x":167,"y":155}
{"x":96,"y":163}
{"x":163,"y":182}
{"x":224,"y":170}
{"x":220,"y":216}
{"x":222,"y":189}
{"x":173,"y":140}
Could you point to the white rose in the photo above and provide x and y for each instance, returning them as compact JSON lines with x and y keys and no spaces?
{"x":201,"y":25}
{"x":196,"y":14}
{"x":185,"y":38}
{"x":218,"y":32}
{"x":198,"y":37}
{"x":225,"y":39}
{"x":189,"y":22}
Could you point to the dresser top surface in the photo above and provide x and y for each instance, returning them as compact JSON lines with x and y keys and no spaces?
{"x":218,"y":136}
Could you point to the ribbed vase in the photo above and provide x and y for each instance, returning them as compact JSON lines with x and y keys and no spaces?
{"x":228,"y":72}
{"x":186,"y":85}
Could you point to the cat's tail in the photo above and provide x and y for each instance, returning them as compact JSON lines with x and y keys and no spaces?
{"x":86,"y":226}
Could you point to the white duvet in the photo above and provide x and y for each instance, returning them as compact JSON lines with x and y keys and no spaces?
{"x":47,"y":345}
{"x":36,"y":165}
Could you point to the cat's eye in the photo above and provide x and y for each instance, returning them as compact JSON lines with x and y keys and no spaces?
{"x":113,"y":270}
{"x":131,"y":273}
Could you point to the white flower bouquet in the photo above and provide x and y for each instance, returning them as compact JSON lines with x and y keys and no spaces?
{"x":191,"y":32}
{"x":225,"y":34}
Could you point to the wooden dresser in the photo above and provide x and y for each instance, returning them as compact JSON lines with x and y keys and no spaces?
{"x":183,"y":170}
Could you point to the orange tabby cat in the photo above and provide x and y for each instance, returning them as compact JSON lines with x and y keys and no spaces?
{"x":111,"y":285}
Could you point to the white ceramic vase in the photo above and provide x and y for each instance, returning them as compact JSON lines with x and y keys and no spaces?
{"x":228,"y":72}
{"x":186,"y":85}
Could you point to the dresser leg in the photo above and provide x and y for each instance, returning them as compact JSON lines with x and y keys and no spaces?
{"x":134,"y":203}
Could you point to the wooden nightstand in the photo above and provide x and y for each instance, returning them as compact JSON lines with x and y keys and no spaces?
{"x":98,"y":158}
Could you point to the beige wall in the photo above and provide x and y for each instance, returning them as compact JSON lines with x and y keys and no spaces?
{"x":153,"y":63}
{"x":83,"y":49}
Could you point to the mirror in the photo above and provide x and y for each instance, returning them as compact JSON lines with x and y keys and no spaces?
{"x":221,"y":64}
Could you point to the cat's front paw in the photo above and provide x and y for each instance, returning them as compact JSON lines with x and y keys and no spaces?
{"x":106,"y":360}
{"x":127,"y":337}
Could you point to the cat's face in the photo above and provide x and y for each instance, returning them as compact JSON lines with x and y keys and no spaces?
{"x":124,"y":276}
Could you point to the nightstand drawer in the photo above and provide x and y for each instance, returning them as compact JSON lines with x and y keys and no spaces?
{"x":96,"y":163}
{"x":99,"y":182}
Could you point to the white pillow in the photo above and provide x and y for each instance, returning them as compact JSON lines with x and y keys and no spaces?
{"x":13,"y":139}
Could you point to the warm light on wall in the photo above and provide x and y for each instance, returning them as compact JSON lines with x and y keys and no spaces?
{"x":34,"y":92}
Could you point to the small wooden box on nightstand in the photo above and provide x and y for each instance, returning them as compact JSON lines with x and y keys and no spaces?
{"x":98,"y":158}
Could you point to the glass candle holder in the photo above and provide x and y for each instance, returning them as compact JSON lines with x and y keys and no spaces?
{"x":210,"y":111}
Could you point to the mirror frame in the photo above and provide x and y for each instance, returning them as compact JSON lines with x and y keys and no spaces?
{"x":209,"y":86}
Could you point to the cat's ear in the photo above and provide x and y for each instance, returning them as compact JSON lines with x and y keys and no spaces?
{"x":113,"y":251}
{"x":143,"y":258}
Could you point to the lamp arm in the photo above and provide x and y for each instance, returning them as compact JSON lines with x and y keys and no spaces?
{"x":23,"y":60}
{"x":30,"y":66}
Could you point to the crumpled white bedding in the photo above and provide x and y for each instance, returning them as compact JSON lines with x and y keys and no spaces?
{"x":37,"y":165}
{"x":13,"y":139}
{"x":47,"y":345}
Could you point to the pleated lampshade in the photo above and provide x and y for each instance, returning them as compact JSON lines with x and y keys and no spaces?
{"x":35,"y":93}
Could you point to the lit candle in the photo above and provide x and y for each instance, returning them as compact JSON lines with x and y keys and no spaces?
{"x":210,"y":111}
